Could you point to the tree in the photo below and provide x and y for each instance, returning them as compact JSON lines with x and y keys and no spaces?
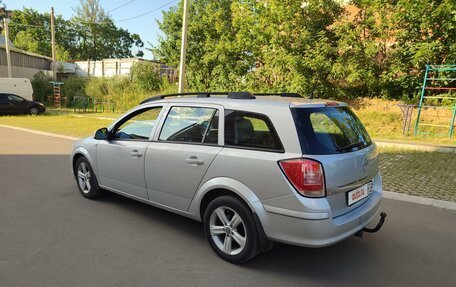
{"x":92,"y":21}
{"x":30,"y":31}
{"x":98,"y":36}
{"x":91,"y":34}
{"x":383,"y":50}
{"x":261,"y":45}
{"x":212,"y":55}
{"x":3,"y":14}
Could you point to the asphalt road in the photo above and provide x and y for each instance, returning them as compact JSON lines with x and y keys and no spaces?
{"x":51,"y":236}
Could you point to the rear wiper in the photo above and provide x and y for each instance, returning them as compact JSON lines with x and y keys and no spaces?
{"x":350,"y":146}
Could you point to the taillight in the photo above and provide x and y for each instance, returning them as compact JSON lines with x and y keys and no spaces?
{"x":306,"y":175}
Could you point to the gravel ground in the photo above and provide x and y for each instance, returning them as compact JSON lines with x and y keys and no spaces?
{"x":428,"y":174}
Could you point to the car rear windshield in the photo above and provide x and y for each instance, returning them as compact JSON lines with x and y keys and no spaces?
{"x":329,"y":130}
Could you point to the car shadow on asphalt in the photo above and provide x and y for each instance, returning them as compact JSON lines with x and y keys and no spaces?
{"x":337,"y":260}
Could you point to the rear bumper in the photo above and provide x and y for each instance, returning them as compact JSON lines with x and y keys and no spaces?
{"x":293,"y":229}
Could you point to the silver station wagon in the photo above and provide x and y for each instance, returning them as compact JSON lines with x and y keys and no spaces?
{"x":254,"y":168}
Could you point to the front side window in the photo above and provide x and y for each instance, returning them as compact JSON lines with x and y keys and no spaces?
{"x":189,"y":124}
{"x":250,"y":130}
{"x":138,"y":126}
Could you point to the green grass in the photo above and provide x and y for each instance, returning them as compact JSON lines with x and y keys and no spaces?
{"x":383,"y":120}
{"x":420,"y":173}
{"x":57,"y":123}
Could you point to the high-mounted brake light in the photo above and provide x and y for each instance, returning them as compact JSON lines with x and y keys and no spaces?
{"x":305,"y":175}
{"x":332,"y":104}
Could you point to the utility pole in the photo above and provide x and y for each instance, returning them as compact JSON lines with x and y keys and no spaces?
{"x":8,"y":55}
{"x":183,"y":48}
{"x":54,"y":63}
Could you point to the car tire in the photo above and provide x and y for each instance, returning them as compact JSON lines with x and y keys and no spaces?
{"x":230,"y":229}
{"x":34,"y":111}
{"x":86,"y":179}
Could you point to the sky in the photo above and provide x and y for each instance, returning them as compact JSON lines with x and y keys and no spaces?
{"x":146,"y":26}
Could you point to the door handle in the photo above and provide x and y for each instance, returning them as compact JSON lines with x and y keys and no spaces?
{"x":135,"y":153}
{"x":193,"y":160}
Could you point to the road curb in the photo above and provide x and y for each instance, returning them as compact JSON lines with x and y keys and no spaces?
{"x":415,"y":146}
{"x":420,"y":200}
{"x":40,"y":132}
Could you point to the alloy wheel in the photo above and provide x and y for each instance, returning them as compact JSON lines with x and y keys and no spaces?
{"x":228,"y":230}
{"x":34,"y":111}
{"x":84,"y":177}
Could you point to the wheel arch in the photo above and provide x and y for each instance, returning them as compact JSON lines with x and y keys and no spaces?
{"x":77,"y":154}
{"x":227,"y":186}
{"x":218,"y":187}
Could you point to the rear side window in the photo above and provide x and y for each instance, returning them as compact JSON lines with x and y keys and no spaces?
{"x":329,"y":130}
{"x":190,"y":124}
{"x":4,"y":99}
{"x":250,"y":130}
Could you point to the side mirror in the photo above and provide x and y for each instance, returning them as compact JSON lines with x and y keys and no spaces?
{"x":102,"y":134}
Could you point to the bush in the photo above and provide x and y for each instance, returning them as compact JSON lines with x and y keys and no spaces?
{"x":96,"y":88}
{"x":145,"y":76}
{"x":123,"y":93}
{"x":41,"y":87}
{"x":74,"y":87}
{"x":117,"y":91}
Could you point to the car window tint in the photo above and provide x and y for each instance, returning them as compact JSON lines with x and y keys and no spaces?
{"x":139,"y":126}
{"x":187,"y":124}
{"x":329,"y":130}
{"x":4,"y":99}
{"x":212,"y":132}
{"x":15,"y":98}
{"x":250,"y":130}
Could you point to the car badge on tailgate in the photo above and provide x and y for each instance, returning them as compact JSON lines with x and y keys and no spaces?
{"x":365,"y":164}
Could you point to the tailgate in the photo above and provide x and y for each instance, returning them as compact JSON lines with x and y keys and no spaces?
{"x":335,"y":137}
{"x":347,"y":172}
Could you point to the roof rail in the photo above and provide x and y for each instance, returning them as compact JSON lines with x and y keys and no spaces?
{"x":285,"y":95}
{"x":241,"y":95}
{"x":231,"y":95}
{"x":197,"y":94}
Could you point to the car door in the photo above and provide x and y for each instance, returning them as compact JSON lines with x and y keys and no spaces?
{"x":120,"y":159}
{"x":181,"y":153}
{"x":18,"y":104}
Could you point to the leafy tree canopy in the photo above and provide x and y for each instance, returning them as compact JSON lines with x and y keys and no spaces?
{"x":319,"y":47}
{"x":90,"y":34}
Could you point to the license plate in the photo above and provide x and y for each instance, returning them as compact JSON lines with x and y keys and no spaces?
{"x":359,"y":194}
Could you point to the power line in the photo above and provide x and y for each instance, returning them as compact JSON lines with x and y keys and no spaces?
{"x":113,"y":9}
{"x":146,"y":13}
{"x":80,"y":22}
{"x":30,"y":26}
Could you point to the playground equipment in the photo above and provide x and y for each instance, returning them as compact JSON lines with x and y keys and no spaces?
{"x":57,"y":99}
{"x":437,"y":79}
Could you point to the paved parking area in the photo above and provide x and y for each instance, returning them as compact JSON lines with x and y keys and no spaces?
{"x":51,"y":236}
{"x":420,"y":173}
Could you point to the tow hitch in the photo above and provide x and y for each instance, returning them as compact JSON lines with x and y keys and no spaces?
{"x":375,"y":229}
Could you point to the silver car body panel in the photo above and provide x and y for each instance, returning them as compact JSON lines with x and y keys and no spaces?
{"x":167,"y":181}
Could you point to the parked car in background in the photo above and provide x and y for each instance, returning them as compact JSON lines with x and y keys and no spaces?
{"x":287,"y":169}
{"x":11,"y":104}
